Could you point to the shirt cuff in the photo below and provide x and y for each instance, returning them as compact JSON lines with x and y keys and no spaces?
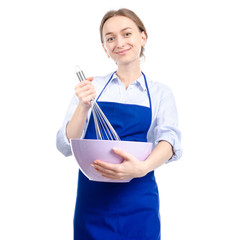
{"x":174,"y":140}
{"x":62,"y":142}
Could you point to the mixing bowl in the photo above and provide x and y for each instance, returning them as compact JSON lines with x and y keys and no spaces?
{"x":86,"y":151}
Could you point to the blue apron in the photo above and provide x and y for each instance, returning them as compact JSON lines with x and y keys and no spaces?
{"x":119,"y":211}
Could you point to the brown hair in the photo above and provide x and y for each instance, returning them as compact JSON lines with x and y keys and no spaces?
{"x":125,"y":13}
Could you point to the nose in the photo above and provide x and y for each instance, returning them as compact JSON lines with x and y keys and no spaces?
{"x":120,"y":42}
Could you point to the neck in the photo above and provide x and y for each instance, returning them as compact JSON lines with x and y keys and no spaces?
{"x":128,"y":74}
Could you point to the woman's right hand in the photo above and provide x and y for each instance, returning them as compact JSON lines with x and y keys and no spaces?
{"x":85,"y":92}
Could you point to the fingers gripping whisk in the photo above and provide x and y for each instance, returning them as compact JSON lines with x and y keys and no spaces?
{"x":104,"y":129}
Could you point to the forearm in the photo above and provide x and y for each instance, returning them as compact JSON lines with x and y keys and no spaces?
{"x":76,"y":124}
{"x":131,"y":167}
{"x":160,"y":154}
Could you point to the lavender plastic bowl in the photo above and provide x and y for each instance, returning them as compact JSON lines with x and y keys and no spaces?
{"x":86,"y":151}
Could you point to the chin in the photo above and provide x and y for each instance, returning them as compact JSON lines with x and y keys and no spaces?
{"x":127,"y":61}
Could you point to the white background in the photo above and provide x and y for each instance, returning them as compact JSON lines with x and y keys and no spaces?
{"x":193,"y":47}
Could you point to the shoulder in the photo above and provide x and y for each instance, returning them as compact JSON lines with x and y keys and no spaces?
{"x":100,"y":81}
{"x":158,"y":90}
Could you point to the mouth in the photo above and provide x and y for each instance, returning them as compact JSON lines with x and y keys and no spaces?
{"x":122,"y":52}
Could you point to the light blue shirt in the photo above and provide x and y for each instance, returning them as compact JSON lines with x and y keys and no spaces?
{"x":164,"y":124}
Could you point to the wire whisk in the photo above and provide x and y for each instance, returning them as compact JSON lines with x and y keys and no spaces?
{"x":104,"y":129}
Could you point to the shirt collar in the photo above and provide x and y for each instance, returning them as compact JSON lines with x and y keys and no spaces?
{"x":138,"y":82}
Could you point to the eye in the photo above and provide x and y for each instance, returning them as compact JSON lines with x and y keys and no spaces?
{"x":110,"y":39}
{"x":128,"y":34}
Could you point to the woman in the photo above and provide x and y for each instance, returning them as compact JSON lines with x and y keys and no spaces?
{"x":139,"y":110}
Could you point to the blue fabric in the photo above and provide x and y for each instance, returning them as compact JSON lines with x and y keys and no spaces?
{"x":119,"y":211}
{"x":130,"y":121}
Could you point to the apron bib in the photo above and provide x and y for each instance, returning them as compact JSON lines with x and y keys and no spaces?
{"x":119,"y":211}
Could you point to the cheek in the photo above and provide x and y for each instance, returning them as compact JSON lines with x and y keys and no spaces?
{"x":137,"y":43}
{"x":109,"y":48}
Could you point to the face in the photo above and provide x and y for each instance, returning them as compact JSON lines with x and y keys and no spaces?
{"x":122,"y":40}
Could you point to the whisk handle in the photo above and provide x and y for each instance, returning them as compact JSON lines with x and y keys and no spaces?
{"x":81,"y":78}
{"x":80,"y":74}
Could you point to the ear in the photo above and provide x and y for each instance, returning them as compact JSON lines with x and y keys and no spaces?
{"x":105,"y":50}
{"x":143,"y":38}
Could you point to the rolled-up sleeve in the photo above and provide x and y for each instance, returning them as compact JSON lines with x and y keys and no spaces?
{"x":166,"y":127}
{"x":62,"y":142}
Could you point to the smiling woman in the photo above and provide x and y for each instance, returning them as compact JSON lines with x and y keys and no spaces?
{"x":139,"y":110}
{"x":123,"y":41}
{"x":128,"y":14}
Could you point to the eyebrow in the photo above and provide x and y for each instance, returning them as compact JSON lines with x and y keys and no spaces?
{"x":109,"y":33}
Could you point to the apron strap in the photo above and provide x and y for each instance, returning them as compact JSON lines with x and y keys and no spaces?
{"x":149,"y":97}
{"x":105,"y":86}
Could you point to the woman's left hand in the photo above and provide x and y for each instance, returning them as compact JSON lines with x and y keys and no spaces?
{"x":131,"y":167}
